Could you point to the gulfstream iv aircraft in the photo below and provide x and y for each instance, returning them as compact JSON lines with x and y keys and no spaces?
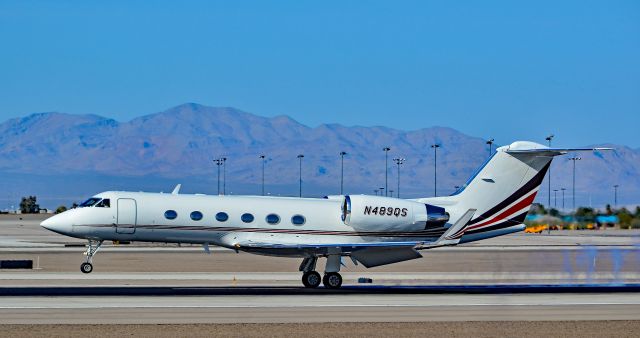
{"x":370,"y":230}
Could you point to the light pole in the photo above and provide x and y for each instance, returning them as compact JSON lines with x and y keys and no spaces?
{"x":262,"y":159}
{"x":398,"y":161}
{"x":342,"y":153}
{"x":574,"y":159}
{"x":549,"y":138}
{"x":218,"y":163}
{"x":615,"y":196}
{"x":224,"y":175}
{"x":555,"y":198}
{"x":300,"y":189}
{"x":563,"y":189}
{"x":435,"y":168}
{"x":386,"y":168}
{"x":490,"y":143}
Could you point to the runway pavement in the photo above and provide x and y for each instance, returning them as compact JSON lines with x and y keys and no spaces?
{"x":318,"y":308}
{"x":560,"y":276}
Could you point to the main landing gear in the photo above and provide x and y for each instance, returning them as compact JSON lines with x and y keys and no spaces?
{"x":311,"y":278}
{"x":92,"y":249}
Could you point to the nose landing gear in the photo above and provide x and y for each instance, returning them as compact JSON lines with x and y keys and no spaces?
{"x":92,"y":249}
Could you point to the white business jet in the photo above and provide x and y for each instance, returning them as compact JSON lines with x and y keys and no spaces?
{"x":370,"y":230}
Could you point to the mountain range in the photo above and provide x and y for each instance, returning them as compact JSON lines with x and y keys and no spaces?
{"x":63,"y":157}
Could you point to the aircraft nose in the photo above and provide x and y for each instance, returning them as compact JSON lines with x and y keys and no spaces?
{"x":57,"y":223}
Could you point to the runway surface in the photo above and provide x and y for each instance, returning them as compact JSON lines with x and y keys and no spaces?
{"x":300,"y":308}
{"x":520,"y":278}
{"x":372,"y":290}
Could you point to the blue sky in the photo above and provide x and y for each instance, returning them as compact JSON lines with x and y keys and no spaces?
{"x":508,"y":70}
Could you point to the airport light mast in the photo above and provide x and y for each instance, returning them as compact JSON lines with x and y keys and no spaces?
{"x":398,"y":161}
{"x":574,"y":159}
{"x":435,"y":168}
{"x":615,"y":196}
{"x":218,"y":163}
{"x":563,"y":189}
{"x":386,"y":168}
{"x":262,"y":159}
{"x":549,"y":138}
{"x":300,"y":157}
{"x":224,"y":175}
{"x":342,"y":153}
{"x":490,"y":143}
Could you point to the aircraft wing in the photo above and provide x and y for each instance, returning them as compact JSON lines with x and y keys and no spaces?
{"x":370,"y":254}
{"x":322,"y":249}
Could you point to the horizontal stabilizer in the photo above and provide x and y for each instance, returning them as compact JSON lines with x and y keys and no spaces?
{"x":552,"y":151}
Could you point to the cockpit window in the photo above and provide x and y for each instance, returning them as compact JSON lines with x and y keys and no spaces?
{"x":105,"y":203}
{"x":90,"y":202}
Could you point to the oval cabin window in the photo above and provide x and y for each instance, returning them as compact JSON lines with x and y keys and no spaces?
{"x":196,"y":215}
{"x":222,"y":217}
{"x":272,"y":219}
{"x":247,"y":218}
{"x":170,"y":214}
{"x":298,"y":220}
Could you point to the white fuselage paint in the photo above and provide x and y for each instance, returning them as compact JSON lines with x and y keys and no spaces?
{"x":323,"y":223}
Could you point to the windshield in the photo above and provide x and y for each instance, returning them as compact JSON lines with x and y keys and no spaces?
{"x":89,"y":202}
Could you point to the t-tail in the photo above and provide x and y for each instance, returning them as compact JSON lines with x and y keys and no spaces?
{"x":502,"y":190}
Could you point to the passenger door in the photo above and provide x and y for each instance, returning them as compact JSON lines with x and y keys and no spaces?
{"x":127,"y":216}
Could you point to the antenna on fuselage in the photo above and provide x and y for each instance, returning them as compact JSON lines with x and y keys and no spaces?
{"x":176,"y":190}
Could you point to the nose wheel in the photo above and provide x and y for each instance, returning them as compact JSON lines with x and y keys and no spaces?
{"x":86,"y":267}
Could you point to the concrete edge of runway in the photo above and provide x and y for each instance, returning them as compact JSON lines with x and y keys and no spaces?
{"x":37,"y":291}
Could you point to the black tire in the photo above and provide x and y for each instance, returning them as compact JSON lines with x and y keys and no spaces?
{"x":332,"y":280}
{"x":86,"y":267}
{"x":311,"y":279}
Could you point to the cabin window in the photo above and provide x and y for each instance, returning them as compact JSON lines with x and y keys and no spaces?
{"x":170,"y":214}
{"x":247,"y":218}
{"x":222,"y":217}
{"x":196,"y":215}
{"x":298,"y":220}
{"x":272,"y":219}
{"x":105,"y":203}
{"x":90,"y":202}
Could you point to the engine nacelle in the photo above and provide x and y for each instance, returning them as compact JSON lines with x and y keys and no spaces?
{"x":378,"y":213}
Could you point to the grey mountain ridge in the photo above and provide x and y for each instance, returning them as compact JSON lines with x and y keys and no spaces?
{"x":180,"y":144}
